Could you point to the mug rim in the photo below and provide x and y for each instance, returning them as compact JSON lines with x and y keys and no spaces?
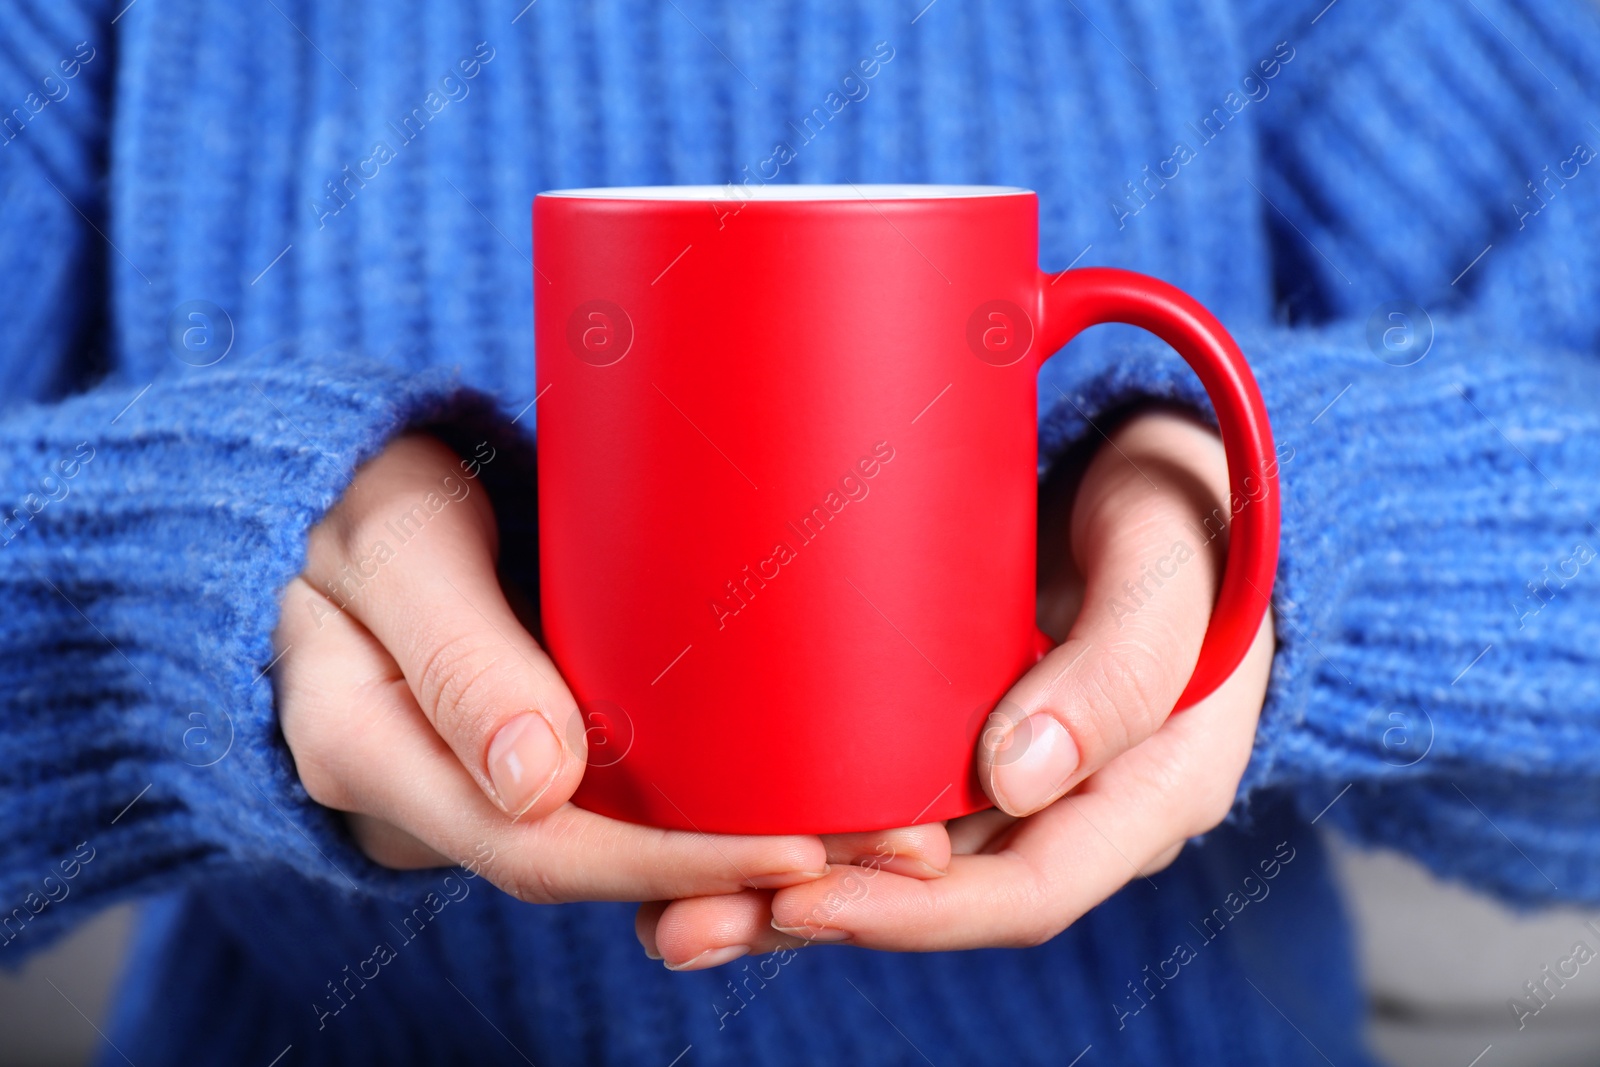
{"x":787,"y":192}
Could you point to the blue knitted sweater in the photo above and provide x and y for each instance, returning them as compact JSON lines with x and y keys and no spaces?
{"x":223,"y":297}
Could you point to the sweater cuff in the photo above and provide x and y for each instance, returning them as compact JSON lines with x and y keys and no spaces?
{"x":1437,"y":603}
{"x":146,"y":538}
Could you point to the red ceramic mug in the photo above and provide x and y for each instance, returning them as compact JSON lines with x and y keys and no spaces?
{"x":787,"y":488}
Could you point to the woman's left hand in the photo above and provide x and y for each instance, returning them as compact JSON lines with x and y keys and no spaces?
{"x":1093,"y":783}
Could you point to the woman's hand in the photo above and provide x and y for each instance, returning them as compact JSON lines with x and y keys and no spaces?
{"x":414,"y":700}
{"x":1093,"y":783}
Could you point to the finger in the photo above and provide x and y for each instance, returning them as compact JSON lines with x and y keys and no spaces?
{"x":1165,"y":860}
{"x":708,"y":931}
{"x":1138,"y":536}
{"x":361,"y":744}
{"x":411,"y":555}
{"x":1056,"y":865}
{"x":703,"y":932}
{"x":644,"y":925}
{"x":388,"y":845}
{"x":914,"y":851}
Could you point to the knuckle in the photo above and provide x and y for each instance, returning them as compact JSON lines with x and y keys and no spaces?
{"x":294,"y":615}
{"x":457,"y":678}
{"x":1198,"y":803}
{"x":296,"y":707}
{"x":1038,"y":911}
{"x":1039,"y":935}
{"x":1034,"y":932}
{"x":1164,"y":860}
{"x":323,"y":783}
{"x":337,"y":530}
{"x":343,"y":529}
{"x":526,"y":886}
{"x":324,"y":725}
{"x":305,"y":734}
{"x":359,"y":540}
{"x":1171,"y":788}
{"x":1210,"y":809}
{"x":1124,"y":693}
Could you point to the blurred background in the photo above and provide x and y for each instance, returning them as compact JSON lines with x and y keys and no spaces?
{"x":1441,"y":965}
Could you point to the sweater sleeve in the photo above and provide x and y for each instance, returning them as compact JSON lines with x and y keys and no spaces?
{"x":1437,"y":682}
{"x":145,"y":537}
{"x":146,"y":531}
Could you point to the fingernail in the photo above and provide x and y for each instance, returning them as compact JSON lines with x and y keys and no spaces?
{"x":651,"y":953}
{"x":1048,"y":756}
{"x":714,"y":957}
{"x":523,"y":760}
{"x":819,"y":934}
{"x":909,"y":866}
{"x":783,"y":880}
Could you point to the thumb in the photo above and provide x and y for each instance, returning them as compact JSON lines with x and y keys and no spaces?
{"x":413,"y":549}
{"x":1146,"y":534}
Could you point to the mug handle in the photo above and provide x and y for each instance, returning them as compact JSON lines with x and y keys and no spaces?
{"x":1071,"y":302}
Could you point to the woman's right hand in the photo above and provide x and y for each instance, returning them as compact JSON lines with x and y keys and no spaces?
{"x":414,"y":700}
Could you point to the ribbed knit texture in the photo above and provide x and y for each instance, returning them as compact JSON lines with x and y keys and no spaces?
{"x":1420,"y":689}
